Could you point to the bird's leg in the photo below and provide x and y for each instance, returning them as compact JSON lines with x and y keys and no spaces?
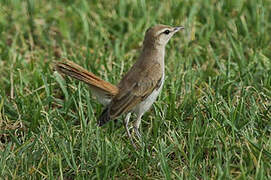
{"x":126,"y":123}
{"x":136,"y":127}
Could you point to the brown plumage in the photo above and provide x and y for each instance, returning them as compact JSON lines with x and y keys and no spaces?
{"x":138,"y":89}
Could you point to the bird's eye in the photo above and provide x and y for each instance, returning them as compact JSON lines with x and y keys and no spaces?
{"x":166,"y":32}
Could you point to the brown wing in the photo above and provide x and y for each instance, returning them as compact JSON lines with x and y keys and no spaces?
{"x":137,"y":85}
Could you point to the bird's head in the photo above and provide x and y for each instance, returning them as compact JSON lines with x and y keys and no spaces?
{"x":159,"y":35}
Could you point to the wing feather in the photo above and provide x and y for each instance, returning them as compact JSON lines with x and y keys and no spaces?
{"x":134,"y":88}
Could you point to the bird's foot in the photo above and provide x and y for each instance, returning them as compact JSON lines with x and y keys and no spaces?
{"x":137,"y":133}
{"x":139,"y":137}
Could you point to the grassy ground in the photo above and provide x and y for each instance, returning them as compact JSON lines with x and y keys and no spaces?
{"x":211,"y":121}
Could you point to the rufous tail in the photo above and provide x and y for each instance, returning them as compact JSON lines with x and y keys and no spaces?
{"x":71,"y":69}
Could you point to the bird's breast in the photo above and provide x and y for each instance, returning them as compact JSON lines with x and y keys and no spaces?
{"x":145,"y":105}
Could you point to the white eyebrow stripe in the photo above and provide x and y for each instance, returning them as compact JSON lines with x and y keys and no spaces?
{"x":162,"y":30}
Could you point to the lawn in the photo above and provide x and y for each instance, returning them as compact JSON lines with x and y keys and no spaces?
{"x":211,"y":121}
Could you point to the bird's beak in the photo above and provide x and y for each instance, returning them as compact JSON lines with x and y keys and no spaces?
{"x":176,"y":29}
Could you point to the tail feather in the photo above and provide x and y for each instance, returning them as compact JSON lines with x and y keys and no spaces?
{"x":97,"y":85}
{"x":71,"y":69}
{"x":104,"y":117}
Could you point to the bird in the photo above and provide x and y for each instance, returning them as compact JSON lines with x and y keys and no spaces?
{"x":139,"y":87}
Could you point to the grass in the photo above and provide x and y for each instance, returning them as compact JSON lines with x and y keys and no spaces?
{"x":211,"y":121}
